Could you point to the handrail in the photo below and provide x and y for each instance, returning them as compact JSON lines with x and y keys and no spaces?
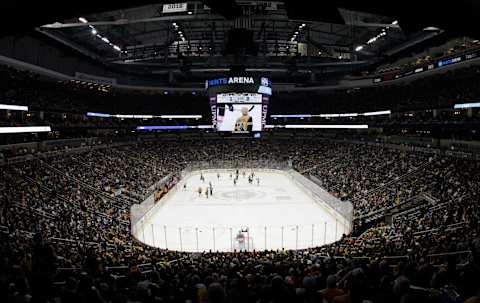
{"x":434,"y":207}
{"x":73,"y":241}
{"x":88,"y":186}
{"x":395,"y":257}
{"x":67,"y":268}
{"x":318,"y":165}
{"x":41,"y":212}
{"x":395,"y":180}
{"x":450,"y":253}
{"x":384,"y":209}
{"x":60,"y":197}
{"x":416,"y":234}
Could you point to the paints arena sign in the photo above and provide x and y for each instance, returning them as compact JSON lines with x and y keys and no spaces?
{"x":237,"y":80}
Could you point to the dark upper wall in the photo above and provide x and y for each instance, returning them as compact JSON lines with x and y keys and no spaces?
{"x":37,"y":51}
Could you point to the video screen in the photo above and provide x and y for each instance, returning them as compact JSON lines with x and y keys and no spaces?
{"x":239,"y":98}
{"x":239,"y":118}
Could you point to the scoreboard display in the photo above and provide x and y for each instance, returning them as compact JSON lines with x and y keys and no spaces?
{"x":239,"y":104}
{"x":239,"y":98}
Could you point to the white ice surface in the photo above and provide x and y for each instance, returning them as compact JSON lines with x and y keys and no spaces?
{"x":277,"y":212}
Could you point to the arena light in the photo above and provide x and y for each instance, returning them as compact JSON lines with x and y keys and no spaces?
{"x":382,"y":33}
{"x":161,"y":127}
{"x":24,"y":129}
{"x":328,"y":126}
{"x":201,"y":126}
{"x":13,"y":107}
{"x":358,"y":48}
{"x":336,"y":115}
{"x":395,"y":22}
{"x":466,"y":105}
{"x":181,"y":116}
{"x":103,"y":38}
{"x":83,"y":20}
{"x":92,"y":114}
{"x":378,"y":113}
{"x":292,"y":116}
{"x":143,"y":116}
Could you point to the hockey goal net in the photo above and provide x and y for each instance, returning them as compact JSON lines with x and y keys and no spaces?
{"x":243,"y":241}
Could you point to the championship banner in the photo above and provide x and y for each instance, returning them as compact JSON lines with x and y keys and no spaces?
{"x":174,"y":8}
{"x":270,"y":6}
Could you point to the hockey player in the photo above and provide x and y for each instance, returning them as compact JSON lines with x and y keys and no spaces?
{"x":218,"y":176}
{"x":199,"y":191}
{"x":258,"y":181}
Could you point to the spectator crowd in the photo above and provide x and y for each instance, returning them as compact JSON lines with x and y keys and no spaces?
{"x":65,"y":233}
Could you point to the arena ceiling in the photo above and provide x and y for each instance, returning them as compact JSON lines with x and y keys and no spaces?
{"x":146,"y":34}
{"x":216,"y":35}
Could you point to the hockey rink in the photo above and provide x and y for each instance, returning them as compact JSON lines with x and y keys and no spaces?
{"x":273,"y":212}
